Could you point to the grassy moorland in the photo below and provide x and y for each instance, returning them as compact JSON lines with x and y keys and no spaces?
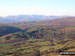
{"x":46,"y":38}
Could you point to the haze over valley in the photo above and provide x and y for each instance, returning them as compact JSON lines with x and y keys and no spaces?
{"x":37,"y":27}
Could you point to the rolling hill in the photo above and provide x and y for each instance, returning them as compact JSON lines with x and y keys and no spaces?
{"x":4,"y":29}
{"x":40,"y":38}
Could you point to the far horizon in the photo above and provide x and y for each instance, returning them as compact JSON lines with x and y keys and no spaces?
{"x":29,"y":18}
{"x":38,"y":15}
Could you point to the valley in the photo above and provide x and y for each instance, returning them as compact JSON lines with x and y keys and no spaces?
{"x":38,"y":38}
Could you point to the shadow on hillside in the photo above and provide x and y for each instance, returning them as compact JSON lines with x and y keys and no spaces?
{"x":8,"y":29}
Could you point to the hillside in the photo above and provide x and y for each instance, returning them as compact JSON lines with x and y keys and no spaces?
{"x":64,"y":21}
{"x":4,"y":29}
{"x":43,"y":38}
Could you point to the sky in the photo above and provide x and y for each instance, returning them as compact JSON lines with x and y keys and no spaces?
{"x":37,"y":7}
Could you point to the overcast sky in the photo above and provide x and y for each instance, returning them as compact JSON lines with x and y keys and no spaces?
{"x":39,"y":7}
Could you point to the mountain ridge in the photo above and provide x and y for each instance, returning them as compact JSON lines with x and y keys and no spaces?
{"x":21,"y":18}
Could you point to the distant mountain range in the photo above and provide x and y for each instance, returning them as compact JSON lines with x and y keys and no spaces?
{"x":20,"y":18}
